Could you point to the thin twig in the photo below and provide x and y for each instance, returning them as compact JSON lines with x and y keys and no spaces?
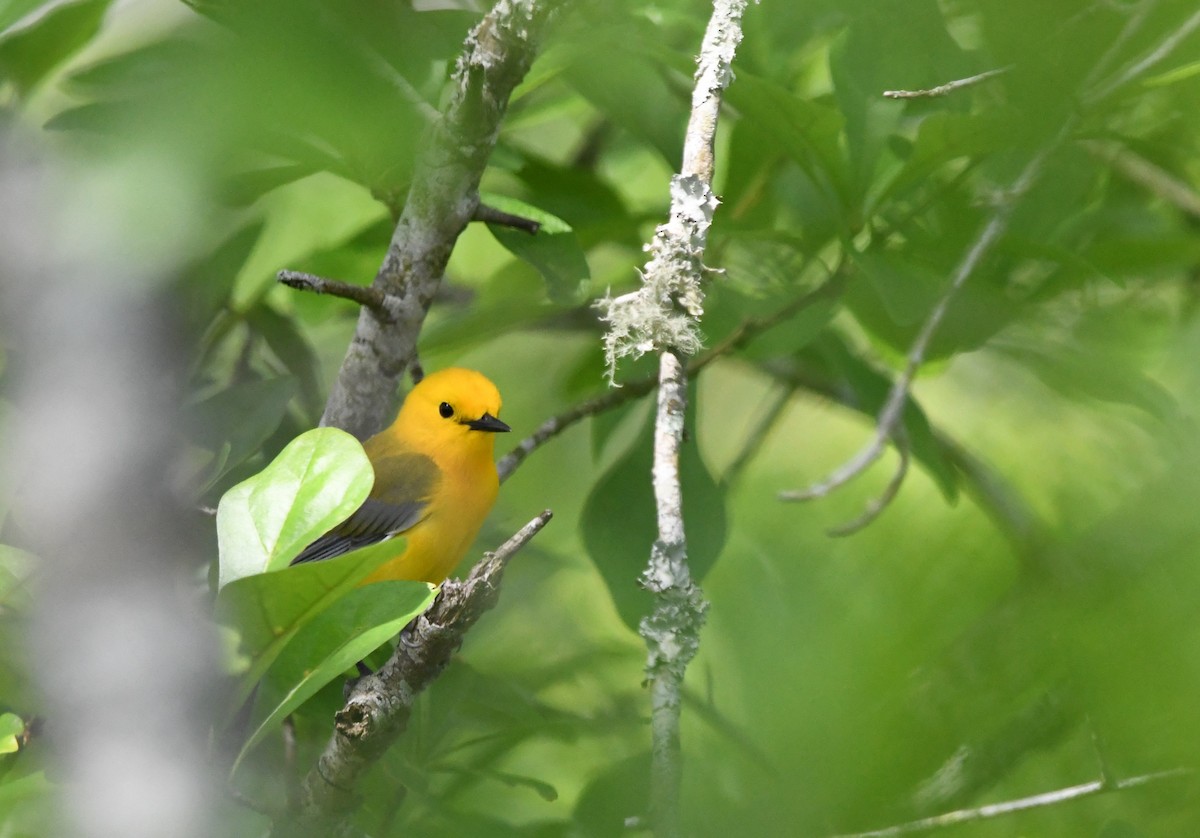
{"x":744,"y":333}
{"x":491,"y":215}
{"x":995,"y":810}
{"x":365,"y":295}
{"x":1164,"y":48}
{"x":768,"y":418}
{"x":893,"y":407}
{"x":876,"y":505}
{"x":379,"y":705}
{"x":947,"y":88}
{"x":1141,"y":171}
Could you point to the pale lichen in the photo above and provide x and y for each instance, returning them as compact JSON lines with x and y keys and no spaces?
{"x":664,"y":313}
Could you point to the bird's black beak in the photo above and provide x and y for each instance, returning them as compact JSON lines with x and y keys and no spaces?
{"x":488,"y":422}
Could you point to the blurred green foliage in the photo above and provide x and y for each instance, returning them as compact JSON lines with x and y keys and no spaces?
{"x":1030,"y":592}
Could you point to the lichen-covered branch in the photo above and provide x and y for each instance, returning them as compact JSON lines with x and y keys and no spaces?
{"x":442,"y":199}
{"x":663,"y":316}
{"x":665,"y":311}
{"x":379,"y":705}
{"x":742,"y":334}
{"x":672,"y":630}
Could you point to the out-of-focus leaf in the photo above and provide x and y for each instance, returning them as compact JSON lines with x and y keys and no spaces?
{"x":807,"y":132}
{"x":606,"y":802}
{"x":16,"y":566}
{"x":12,"y":11}
{"x":888,"y":45}
{"x":596,"y":210}
{"x":234,"y":422}
{"x":632,"y":92}
{"x":553,"y":250}
{"x":11,"y":728}
{"x":205,"y":286}
{"x":292,"y":348}
{"x":900,"y":291}
{"x":947,"y":136}
{"x":619,"y":523}
{"x":245,"y":187}
{"x":331,"y":642}
{"x":28,"y":54}
{"x":267,"y":610}
{"x":134,"y":72}
{"x":317,"y":481}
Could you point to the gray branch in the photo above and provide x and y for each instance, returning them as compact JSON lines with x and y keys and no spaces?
{"x":367,"y":296}
{"x":1010,"y":807}
{"x":947,"y":88}
{"x":377,"y":711}
{"x":663,"y":315}
{"x":893,"y":407}
{"x":441,"y":201}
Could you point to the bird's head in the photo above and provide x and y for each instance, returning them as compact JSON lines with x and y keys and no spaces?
{"x":453,"y":407}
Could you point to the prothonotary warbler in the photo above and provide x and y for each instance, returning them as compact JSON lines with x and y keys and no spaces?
{"x":435,"y":479}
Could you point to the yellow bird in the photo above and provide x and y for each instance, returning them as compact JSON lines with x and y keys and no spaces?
{"x":435,"y":479}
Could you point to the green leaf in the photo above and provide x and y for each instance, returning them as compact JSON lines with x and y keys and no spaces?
{"x":205,"y":286}
{"x":235,"y":422}
{"x":553,"y":250}
{"x":807,"y":132}
{"x":335,"y":640}
{"x":291,"y":347}
{"x":28,"y":54}
{"x":267,"y":610}
{"x":11,"y":728}
{"x":619,"y":522}
{"x":316,"y":482}
{"x":944,"y":137}
{"x":15,"y":568}
{"x":11,"y":11}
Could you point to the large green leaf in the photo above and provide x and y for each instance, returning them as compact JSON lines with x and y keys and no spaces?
{"x":267,"y":610}
{"x":619,"y":522}
{"x":316,"y":482}
{"x":28,"y":54}
{"x":553,"y":250}
{"x":335,"y":640}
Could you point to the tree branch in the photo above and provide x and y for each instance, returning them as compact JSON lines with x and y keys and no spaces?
{"x":893,"y":407}
{"x":663,"y":316}
{"x":744,"y":333}
{"x":1164,"y":48}
{"x":442,"y":199}
{"x":947,"y":88}
{"x":995,"y":810}
{"x":1158,"y":181}
{"x":672,"y":630}
{"x":491,"y":215}
{"x":367,"y":296}
{"x":876,"y":505}
{"x":377,"y":710}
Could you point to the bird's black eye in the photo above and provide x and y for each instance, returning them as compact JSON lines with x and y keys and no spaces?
{"x":446,"y":410}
